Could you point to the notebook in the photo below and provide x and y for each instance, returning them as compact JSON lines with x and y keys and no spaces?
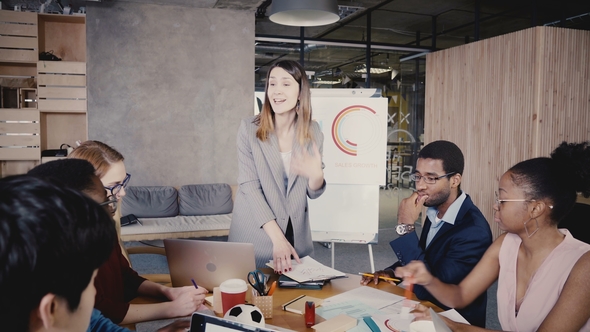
{"x":209,"y":263}
{"x":297,"y":305}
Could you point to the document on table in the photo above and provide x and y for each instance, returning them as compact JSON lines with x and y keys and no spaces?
{"x":363,"y":301}
{"x":310,"y":270}
{"x":372,"y":297}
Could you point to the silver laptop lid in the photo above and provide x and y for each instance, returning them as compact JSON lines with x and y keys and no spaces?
{"x":209,"y":263}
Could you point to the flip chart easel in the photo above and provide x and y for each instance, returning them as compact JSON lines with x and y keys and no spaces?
{"x":354,"y":124}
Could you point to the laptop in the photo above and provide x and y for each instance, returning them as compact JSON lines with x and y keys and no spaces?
{"x":209,"y":263}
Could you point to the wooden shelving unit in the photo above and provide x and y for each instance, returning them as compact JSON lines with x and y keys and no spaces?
{"x":51,"y":95}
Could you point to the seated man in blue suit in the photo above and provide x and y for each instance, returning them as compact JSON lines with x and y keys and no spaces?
{"x":455,"y":234}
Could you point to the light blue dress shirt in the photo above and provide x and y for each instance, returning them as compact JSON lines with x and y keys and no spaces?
{"x":449,"y":217}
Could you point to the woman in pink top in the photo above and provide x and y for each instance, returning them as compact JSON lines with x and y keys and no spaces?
{"x":542,"y":271}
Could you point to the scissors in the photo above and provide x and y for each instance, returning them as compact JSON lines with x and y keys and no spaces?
{"x":257,"y":280}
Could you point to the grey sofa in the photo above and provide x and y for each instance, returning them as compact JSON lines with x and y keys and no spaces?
{"x":195,"y":210}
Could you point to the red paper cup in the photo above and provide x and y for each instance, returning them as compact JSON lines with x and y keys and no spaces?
{"x":233,"y":292}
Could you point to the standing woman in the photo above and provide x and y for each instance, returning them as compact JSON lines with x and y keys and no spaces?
{"x":280,"y":165}
{"x":116,"y":282}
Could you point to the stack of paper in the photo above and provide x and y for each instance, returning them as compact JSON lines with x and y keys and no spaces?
{"x":310,"y":270}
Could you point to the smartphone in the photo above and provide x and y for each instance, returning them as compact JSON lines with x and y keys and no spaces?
{"x":129,"y":219}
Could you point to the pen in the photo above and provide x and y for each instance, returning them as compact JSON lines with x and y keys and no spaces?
{"x":371,"y":324}
{"x":195,"y":284}
{"x":408,"y":292}
{"x":380,"y":277}
{"x":272,"y":288}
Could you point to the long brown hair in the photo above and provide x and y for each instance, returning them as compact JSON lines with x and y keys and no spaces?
{"x":100,"y":155}
{"x":265,"y":120}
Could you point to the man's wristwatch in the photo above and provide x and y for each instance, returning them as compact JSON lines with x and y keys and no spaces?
{"x":403,"y":229}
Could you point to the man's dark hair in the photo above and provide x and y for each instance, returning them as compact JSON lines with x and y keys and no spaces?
{"x":52,"y":239}
{"x":72,"y":173}
{"x":450,"y":154}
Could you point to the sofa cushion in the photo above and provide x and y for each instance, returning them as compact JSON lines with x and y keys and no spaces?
{"x":205,"y":199}
{"x":150,"y":201}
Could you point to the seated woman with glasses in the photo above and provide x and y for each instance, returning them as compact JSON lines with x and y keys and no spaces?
{"x":542,"y":271}
{"x":116,"y":282}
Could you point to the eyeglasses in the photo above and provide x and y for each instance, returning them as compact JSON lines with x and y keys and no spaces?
{"x":500,"y":201}
{"x":117,"y":188}
{"x":111,"y":202}
{"x":429,"y":179}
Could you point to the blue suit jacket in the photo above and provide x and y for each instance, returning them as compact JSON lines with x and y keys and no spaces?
{"x":451,"y":255}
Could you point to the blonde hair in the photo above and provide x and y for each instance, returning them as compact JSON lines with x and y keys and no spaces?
{"x":100,"y":155}
{"x":265,"y":120}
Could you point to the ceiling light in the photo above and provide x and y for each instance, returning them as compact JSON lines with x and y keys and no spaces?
{"x":304,"y":13}
{"x":374,"y":70}
{"x":394,"y":73}
{"x":326,"y":82}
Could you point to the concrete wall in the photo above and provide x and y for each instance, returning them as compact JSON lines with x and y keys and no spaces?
{"x":168,"y":86}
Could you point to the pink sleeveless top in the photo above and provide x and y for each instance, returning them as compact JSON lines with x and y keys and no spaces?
{"x":544,"y":288}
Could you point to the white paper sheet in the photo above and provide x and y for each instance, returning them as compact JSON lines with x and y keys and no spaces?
{"x":370,"y":296}
{"x":310,"y":270}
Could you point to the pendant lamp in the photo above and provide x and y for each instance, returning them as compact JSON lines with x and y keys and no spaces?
{"x":304,"y":13}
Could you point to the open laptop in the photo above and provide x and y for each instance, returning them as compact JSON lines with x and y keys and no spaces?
{"x":209,"y":263}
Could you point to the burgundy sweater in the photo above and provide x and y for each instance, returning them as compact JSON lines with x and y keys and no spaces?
{"x":116,"y":284}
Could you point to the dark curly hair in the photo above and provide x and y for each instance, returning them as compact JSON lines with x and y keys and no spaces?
{"x":557,"y":179}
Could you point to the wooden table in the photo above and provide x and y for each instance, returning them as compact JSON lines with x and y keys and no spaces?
{"x":296,"y":322}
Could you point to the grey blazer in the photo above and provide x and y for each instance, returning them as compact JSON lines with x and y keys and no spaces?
{"x":262,"y":196}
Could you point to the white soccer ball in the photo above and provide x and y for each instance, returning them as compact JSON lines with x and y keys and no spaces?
{"x":246,"y":313}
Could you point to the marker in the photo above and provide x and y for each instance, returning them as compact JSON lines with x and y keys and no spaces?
{"x":273,"y":286}
{"x":380,"y":277}
{"x":371,"y":324}
{"x":195,"y":284}
{"x":408,"y":292}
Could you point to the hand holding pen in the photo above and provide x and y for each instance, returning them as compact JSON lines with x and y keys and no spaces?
{"x":386,"y":275}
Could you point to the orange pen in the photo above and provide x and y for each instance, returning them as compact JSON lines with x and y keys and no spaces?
{"x":408,"y":292}
{"x":272,"y":288}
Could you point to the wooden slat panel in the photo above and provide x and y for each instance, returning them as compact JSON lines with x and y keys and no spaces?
{"x":62,"y":67}
{"x":67,"y":92}
{"x":19,"y":69}
{"x":18,"y":55}
{"x":75,"y":106}
{"x":20,"y":153}
{"x":20,"y":128}
{"x":564,"y":88}
{"x":18,"y":42}
{"x":18,"y":17}
{"x":7,"y":114}
{"x":79,"y":19}
{"x":13,"y":167}
{"x":20,"y":140}
{"x":506,"y":99}
{"x":62,"y":80}
{"x":18,"y":30}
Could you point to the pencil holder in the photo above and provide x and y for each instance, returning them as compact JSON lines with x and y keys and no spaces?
{"x":264,"y":303}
